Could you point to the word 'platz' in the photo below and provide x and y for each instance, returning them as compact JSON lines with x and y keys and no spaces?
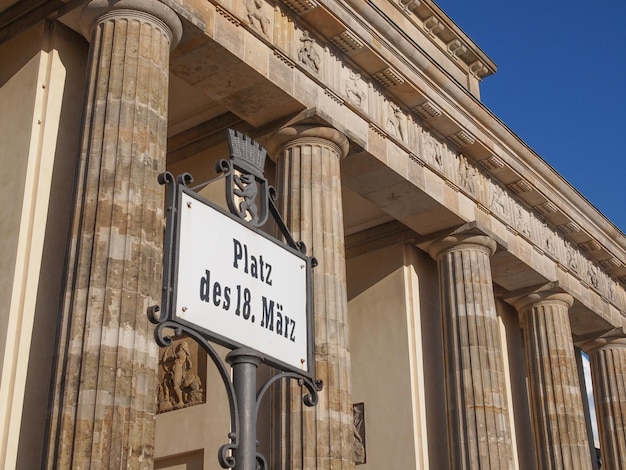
{"x":258,"y":268}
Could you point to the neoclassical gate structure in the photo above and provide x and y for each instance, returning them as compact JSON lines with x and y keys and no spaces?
{"x":459,"y":281}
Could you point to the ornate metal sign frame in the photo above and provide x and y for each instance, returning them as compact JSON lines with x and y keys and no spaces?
{"x":250,"y":200}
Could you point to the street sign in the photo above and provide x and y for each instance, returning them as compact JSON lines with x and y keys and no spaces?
{"x":241,"y":287}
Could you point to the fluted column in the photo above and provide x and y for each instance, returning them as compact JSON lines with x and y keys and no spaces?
{"x":556,"y":408}
{"x":479,"y":434}
{"x":608,"y":372}
{"x":104,"y":395}
{"x":309,"y":188}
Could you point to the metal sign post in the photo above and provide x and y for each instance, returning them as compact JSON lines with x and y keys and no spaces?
{"x":227,"y":282}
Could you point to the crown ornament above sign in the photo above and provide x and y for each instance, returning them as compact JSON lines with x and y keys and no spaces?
{"x":247,"y":190}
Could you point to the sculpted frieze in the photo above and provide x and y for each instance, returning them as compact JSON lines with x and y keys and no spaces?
{"x":466,"y":175}
{"x":571,"y":257}
{"x":257,"y":17}
{"x":498,"y":200}
{"x":307,"y":53}
{"x":353,"y":89}
{"x":181,"y":381}
{"x":329,"y":65}
{"x":432,"y":150}
{"x":395,"y":121}
{"x":522,"y":221}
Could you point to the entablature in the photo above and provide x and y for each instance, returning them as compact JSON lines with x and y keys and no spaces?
{"x":370,"y":74}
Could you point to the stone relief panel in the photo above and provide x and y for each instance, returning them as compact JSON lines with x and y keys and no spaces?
{"x":182,"y":376}
{"x":257,"y":16}
{"x":358,"y":426}
{"x":572,"y":258}
{"x":354,"y":89}
{"x":593,"y":278}
{"x":499,"y":201}
{"x":522,"y":221}
{"x":547,"y":238}
{"x":612,"y":289}
{"x":466,"y":175}
{"x":432,"y":150}
{"x":395,"y":121}
{"x":308,"y":54}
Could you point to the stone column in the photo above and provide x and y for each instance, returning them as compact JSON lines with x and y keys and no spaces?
{"x":104,"y":397}
{"x":479,"y":433}
{"x":309,"y":188}
{"x":556,"y":408}
{"x":608,"y":372}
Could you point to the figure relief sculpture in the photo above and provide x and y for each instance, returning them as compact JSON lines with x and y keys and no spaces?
{"x":394,"y":121}
{"x":592,"y":274}
{"x":179,"y":385}
{"x":353,"y":91}
{"x":358,"y":426}
{"x":570,"y":254}
{"x":432,"y":151}
{"x":466,"y":175}
{"x":247,"y":189}
{"x":255,"y":15}
{"x":307,"y":53}
{"x":497,"y":201}
{"x":548,"y":242}
{"x":522,"y":220}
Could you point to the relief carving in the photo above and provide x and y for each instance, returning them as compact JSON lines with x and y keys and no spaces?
{"x":497,"y":199}
{"x":466,"y":175}
{"x":432,"y":151}
{"x":570,"y":259}
{"x":179,"y":383}
{"x":353,"y":90}
{"x":522,"y":221}
{"x":547,"y":237}
{"x":393,"y":124}
{"x":255,"y":16}
{"x":592,"y":275}
{"x":307,"y":53}
{"x":358,"y":426}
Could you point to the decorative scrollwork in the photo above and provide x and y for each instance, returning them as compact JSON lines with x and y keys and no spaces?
{"x":164,"y":338}
{"x":313,"y":386}
{"x":225,"y":454}
{"x":261,"y":463}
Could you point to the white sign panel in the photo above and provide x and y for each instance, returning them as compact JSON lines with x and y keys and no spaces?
{"x":241,"y":286}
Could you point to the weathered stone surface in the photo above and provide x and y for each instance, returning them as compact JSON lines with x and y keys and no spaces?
{"x":556,"y":407}
{"x":106,"y":378}
{"x":310,"y":190}
{"x":479,"y":434}
{"x":608,"y":372}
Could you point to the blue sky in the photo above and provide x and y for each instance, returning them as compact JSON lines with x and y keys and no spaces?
{"x":560,"y":85}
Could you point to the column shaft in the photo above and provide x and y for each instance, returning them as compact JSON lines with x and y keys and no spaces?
{"x":608,"y":370}
{"x":479,"y":434}
{"x":557,"y":413}
{"x":310,"y":199}
{"x":104,"y":396}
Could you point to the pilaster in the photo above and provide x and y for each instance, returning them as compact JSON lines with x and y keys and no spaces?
{"x":608,"y":372}
{"x":104,"y":406}
{"x":557,"y":413}
{"x":479,"y":434}
{"x":309,"y":187}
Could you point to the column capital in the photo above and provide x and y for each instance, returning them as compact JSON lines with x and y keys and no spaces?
{"x":307,"y":132}
{"x":541,"y":296}
{"x":471,"y":239}
{"x":615,"y":339}
{"x":153,"y":10}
